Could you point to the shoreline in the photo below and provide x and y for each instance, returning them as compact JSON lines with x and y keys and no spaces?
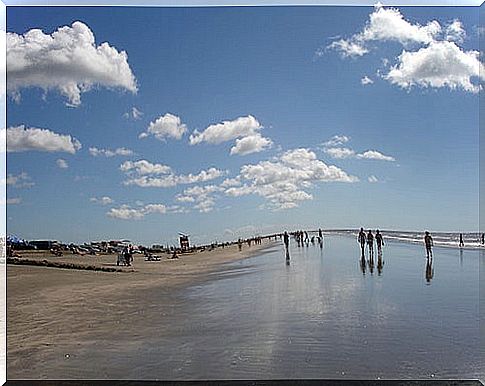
{"x":44,"y":304}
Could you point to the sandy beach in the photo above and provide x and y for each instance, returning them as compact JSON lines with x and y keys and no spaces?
{"x":53,"y":313}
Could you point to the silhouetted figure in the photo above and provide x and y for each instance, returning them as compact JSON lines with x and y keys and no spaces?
{"x":286,"y":240}
{"x":380,"y":264}
{"x":239,"y":244}
{"x":428,"y":242}
{"x":379,"y":242}
{"x":312,"y":240}
{"x":306,"y":236}
{"x":483,"y":238}
{"x":370,"y":243}
{"x":362,"y":239}
{"x":320,"y":233}
{"x":462,"y":244}
{"x":429,"y":269}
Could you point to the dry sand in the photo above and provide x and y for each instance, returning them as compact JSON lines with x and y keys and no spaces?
{"x":53,"y":314}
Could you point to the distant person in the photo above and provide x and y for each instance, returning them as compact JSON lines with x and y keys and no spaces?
{"x":462,"y":244}
{"x":286,"y":240}
{"x":379,"y":242}
{"x":362,"y":239}
{"x":370,"y":243}
{"x":428,"y":242}
{"x":306,"y":237}
{"x":483,"y":238}
{"x":429,"y":270}
{"x":239,"y":244}
{"x":320,"y":233}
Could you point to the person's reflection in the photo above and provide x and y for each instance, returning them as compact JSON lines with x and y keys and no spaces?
{"x":429,"y":269}
{"x":461,"y":257}
{"x":380,"y":263}
{"x":287,"y":256}
{"x":362,"y":265}
{"x":370,"y":262}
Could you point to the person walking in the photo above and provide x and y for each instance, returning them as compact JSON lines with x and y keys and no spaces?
{"x":362,"y":239}
{"x":428,"y":242}
{"x":462,"y":244}
{"x":286,"y":240}
{"x":370,"y":243}
{"x":379,"y":242}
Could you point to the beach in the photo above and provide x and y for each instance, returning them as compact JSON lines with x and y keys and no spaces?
{"x":253,"y":314}
{"x":53,"y":312}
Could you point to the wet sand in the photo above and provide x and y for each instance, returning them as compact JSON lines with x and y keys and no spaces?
{"x":55,"y":314}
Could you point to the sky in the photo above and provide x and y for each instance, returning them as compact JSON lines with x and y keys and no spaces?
{"x":221,"y":123}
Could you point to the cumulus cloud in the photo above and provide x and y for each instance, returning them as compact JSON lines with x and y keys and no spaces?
{"x":202,"y":197}
{"x":144,"y":167}
{"x":282,"y":181}
{"x":67,"y":60}
{"x":251,"y":144}
{"x":366,"y":80}
{"x":62,"y":163}
{"x":20,"y":138}
{"x":375,"y":155}
{"x":455,"y":31}
{"x":22,"y":180}
{"x":337,"y":140}
{"x":386,"y":24}
{"x":340,"y":152}
{"x":441,"y":64}
{"x":126,"y":212}
{"x":226,"y":131}
{"x":431,"y":55}
{"x":105,"y":200}
{"x":332,"y":148}
{"x":121,"y":151}
{"x":145,"y":174}
{"x":166,"y":126}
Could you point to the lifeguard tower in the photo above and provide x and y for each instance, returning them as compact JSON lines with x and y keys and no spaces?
{"x":184,"y":242}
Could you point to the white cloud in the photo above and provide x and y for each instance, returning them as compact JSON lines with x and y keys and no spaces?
{"x":455,"y":31}
{"x":171,"y":180}
{"x":22,"y":180}
{"x":67,"y":60}
{"x":340,"y":152}
{"x":348,"y":48}
{"x":251,"y":144}
{"x":226,"y":131}
{"x":372,"y":179}
{"x":375,"y":155}
{"x":228,"y":182}
{"x":441,"y":64}
{"x":62,"y":163}
{"x":166,"y":126}
{"x":345,"y":152}
{"x":366,"y":80}
{"x":144,"y":167}
{"x":145,"y":174}
{"x":3,"y":141}
{"x":202,"y":196}
{"x":125,"y":212}
{"x":134,"y":113}
{"x":121,"y":151}
{"x":105,"y":200}
{"x":20,"y":138}
{"x":281,"y":181}
{"x":337,"y":140}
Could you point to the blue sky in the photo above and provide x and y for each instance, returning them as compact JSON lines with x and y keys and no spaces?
{"x":292,"y":79}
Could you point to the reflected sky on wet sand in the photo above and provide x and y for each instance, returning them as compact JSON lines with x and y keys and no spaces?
{"x":327,"y":314}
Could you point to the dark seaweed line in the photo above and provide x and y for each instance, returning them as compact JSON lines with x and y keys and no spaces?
{"x":45,"y":263}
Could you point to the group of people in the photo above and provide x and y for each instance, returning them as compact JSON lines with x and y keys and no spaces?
{"x":126,"y":256}
{"x":368,"y":239}
{"x":303,"y":238}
